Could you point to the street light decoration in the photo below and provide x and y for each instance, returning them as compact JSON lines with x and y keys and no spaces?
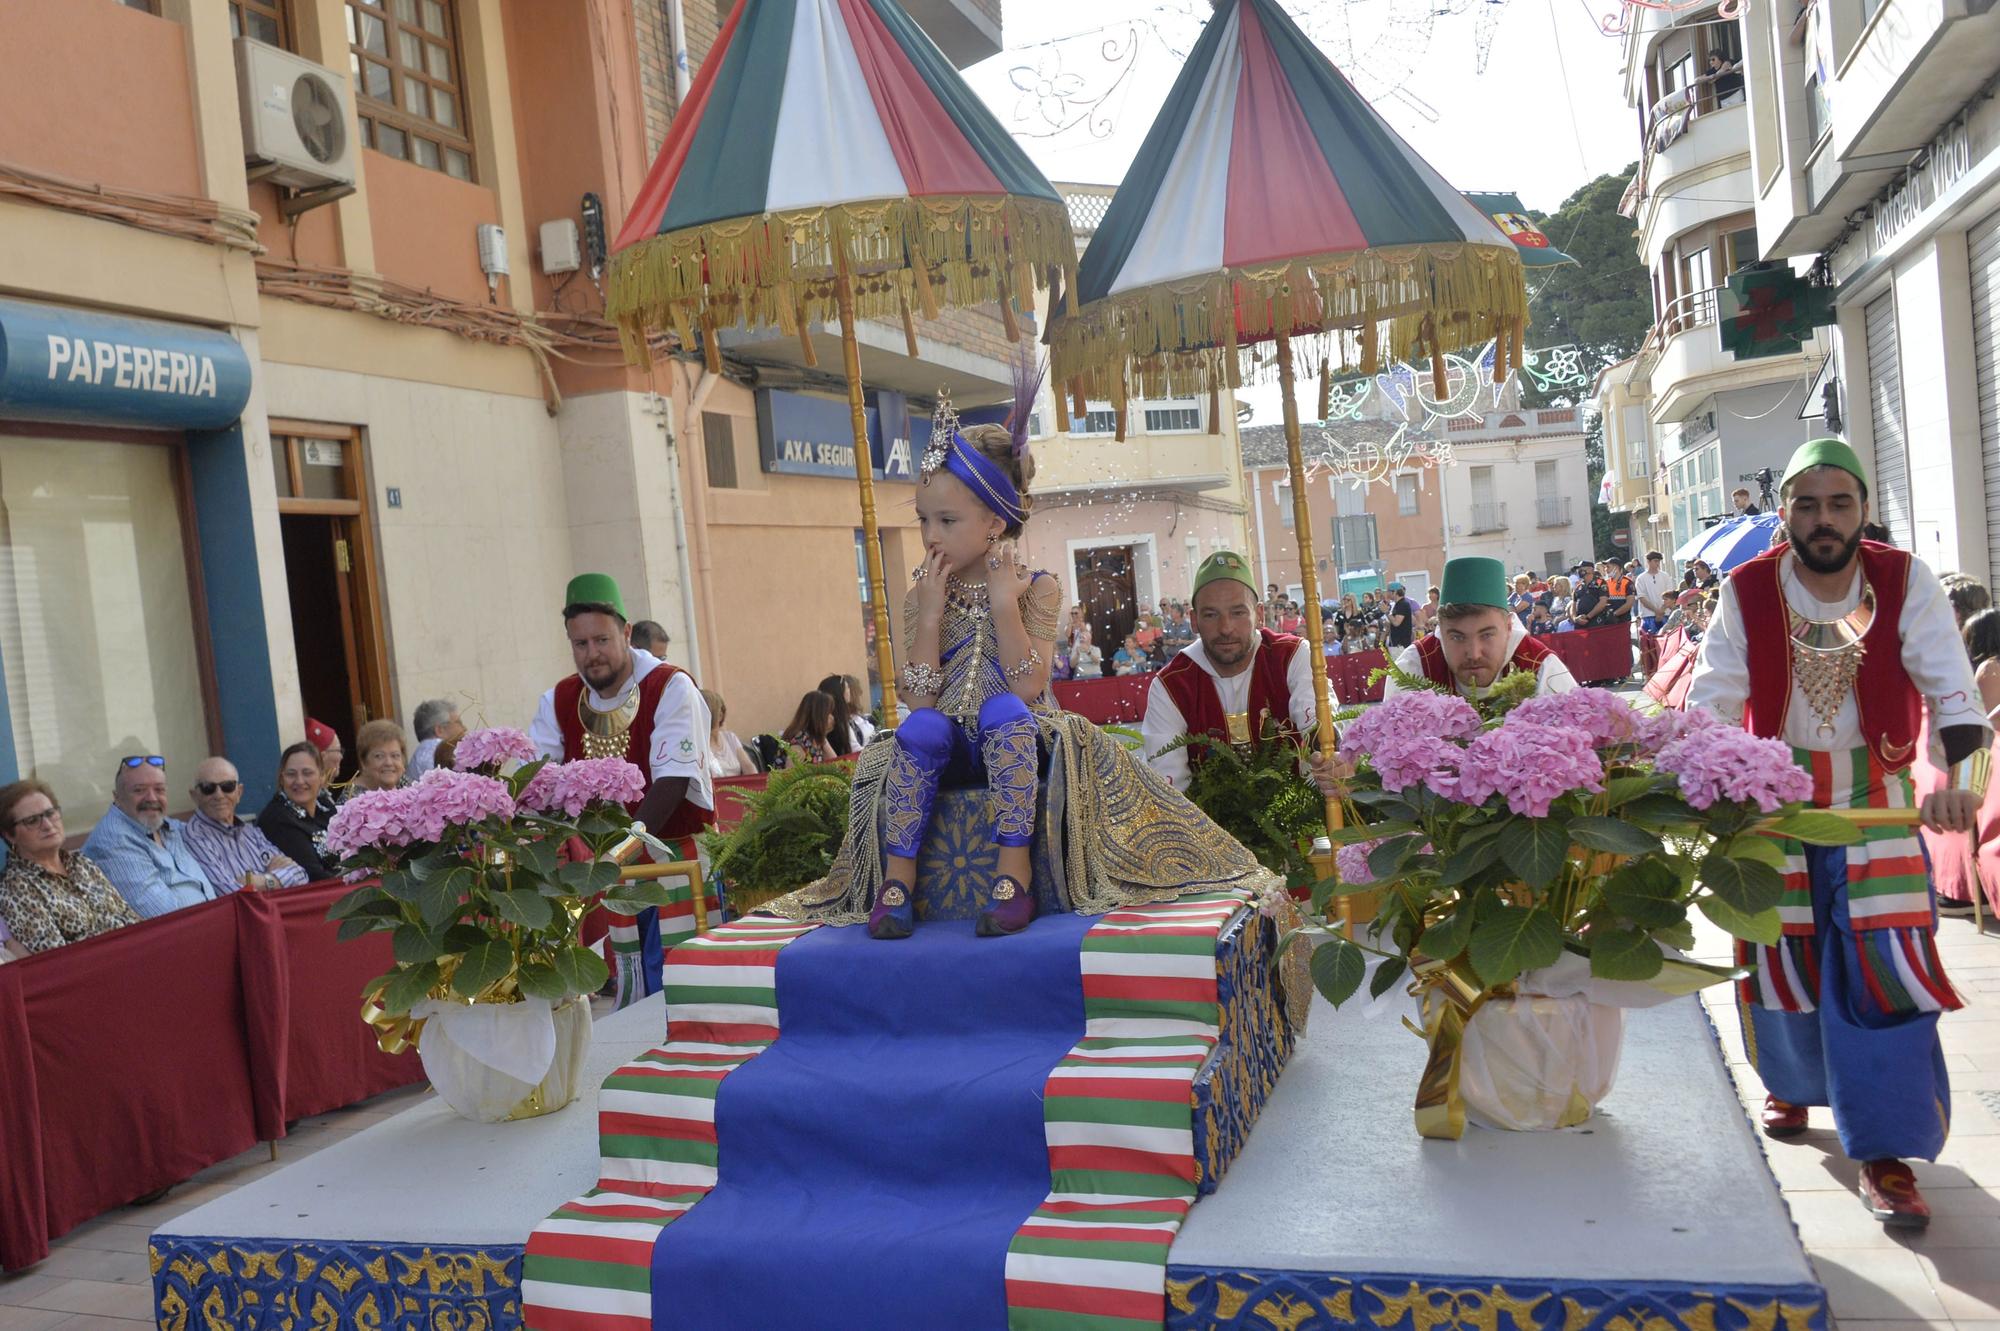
{"x":829,"y":163}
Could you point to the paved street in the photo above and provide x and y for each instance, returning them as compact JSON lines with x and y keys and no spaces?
{"x":1949,"y":1276}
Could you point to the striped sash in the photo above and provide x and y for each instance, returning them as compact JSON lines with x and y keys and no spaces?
{"x":1888,"y":894}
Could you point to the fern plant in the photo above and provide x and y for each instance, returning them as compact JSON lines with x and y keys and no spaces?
{"x":789,"y":835}
{"x":1259,"y":797}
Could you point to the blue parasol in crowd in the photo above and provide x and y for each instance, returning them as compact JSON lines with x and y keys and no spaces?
{"x":1727,"y":544}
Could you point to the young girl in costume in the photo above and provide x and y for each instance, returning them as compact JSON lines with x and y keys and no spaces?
{"x":979,"y":644}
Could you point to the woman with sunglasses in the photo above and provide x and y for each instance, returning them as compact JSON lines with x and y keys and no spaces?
{"x":50,"y":896}
{"x":295,"y":820}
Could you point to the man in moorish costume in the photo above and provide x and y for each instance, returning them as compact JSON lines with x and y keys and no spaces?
{"x":1478,"y":638}
{"x":624,"y":702}
{"x":1232,"y":681}
{"x":1836,"y":644}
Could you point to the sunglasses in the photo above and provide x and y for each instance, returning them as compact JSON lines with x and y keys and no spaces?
{"x":46,"y":818}
{"x":210,"y":787}
{"x":142,"y":760}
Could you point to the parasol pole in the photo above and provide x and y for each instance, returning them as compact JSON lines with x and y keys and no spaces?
{"x":864,"y":475}
{"x":1302,"y":534}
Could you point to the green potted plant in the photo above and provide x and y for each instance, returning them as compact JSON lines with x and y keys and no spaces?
{"x":788,"y":836}
{"x":482,"y":877}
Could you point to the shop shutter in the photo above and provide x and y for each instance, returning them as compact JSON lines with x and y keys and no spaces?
{"x":1982,"y":244}
{"x":1891,"y":491}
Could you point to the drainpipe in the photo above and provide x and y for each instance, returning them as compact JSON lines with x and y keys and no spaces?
{"x":1257,"y":507}
{"x":663,"y":409}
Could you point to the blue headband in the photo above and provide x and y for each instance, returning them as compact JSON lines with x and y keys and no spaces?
{"x":987,"y":480}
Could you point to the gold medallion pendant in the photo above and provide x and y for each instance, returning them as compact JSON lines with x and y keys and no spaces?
{"x":607,"y":734}
{"x":1826,"y":655}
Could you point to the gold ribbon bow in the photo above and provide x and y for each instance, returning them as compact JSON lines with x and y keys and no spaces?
{"x":1448,"y":997}
{"x":392,"y":1034}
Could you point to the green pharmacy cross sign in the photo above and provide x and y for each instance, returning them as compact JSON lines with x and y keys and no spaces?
{"x":1768,"y":310}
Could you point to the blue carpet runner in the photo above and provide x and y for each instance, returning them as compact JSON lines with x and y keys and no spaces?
{"x":875,"y":1162}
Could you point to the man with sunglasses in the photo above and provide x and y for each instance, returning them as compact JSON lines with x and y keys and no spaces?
{"x":233,"y":853}
{"x":143,"y":852}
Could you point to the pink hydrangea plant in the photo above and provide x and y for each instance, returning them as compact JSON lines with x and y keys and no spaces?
{"x":493,"y":747}
{"x":1721,"y":762}
{"x":594,"y":781}
{"x":1531,"y":765}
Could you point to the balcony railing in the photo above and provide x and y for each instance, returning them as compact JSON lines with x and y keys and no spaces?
{"x":1489,"y":517}
{"x":1552,"y":511}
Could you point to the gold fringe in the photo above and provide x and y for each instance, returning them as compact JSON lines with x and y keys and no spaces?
{"x":909,"y":325}
{"x":1178,"y":338}
{"x":1062,"y":410}
{"x":955,"y":251}
{"x":1215,"y":410}
{"x":1325,"y":387}
{"x":1009,"y":323}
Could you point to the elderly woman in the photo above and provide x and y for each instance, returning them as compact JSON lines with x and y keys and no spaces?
{"x":381,"y":755}
{"x":295,"y":820}
{"x":326,"y":742}
{"x":50,"y":896}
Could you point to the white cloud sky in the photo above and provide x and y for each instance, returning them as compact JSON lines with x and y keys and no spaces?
{"x":1520,"y":125}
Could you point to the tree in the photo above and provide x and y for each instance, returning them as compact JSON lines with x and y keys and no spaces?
{"x":1602,"y":304}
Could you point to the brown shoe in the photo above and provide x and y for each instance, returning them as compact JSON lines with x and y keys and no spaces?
{"x":1780,"y":1119}
{"x":1889,"y":1191}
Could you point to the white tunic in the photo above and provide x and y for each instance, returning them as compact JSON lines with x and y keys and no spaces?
{"x":1553,"y":677}
{"x":1933,"y":655}
{"x":680,"y":728}
{"x":1164,"y":723}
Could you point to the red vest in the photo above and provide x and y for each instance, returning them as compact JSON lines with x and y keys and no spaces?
{"x":1891,"y":709}
{"x":1430,"y":655}
{"x":688,"y":817}
{"x":1193,"y":691}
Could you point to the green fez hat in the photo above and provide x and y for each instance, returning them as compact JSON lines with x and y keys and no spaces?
{"x":1474,"y":580}
{"x":1823,"y":453}
{"x":595,"y":589}
{"x":1223,"y":566}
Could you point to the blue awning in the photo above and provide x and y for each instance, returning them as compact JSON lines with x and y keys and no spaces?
{"x":83,"y":367}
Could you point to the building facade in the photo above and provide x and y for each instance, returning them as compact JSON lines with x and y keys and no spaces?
{"x":1518,"y":489}
{"x":1687,"y":420}
{"x":1365,"y":536}
{"x":1875,"y":147}
{"x":310,"y":408}
{"x":1126,"y":522}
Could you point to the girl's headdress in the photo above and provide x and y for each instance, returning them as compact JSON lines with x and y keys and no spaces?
{"x":987,"y":479}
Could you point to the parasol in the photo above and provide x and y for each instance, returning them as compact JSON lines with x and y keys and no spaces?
{"x":829,"y":163}
{"x":1269,"y":203}
{"x":1736,"y":541}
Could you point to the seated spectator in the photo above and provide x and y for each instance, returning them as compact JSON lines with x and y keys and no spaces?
{"x":50,"y":896}
{"x":436,"y":722}
{"x":381,"y":757}
{"x":1522,"y":600}
{"x":1086,"y":657}
{"x":1539,"y":620}
{"x":332,"y":756}
{"x":649,"y":636}
{"x":1968,"y":596}
{"x":1147,"y":634}
{"x":1704,"y":576}
{"x":295,"y":820}
{"x":843,"y":738}
{"x":1559,"y":602}
{"x":1129,"y":659}
{"x":861,"y":707}
{"x":1177,"y":632}
{"x":1289,"y":620}
{"x":234,"y":853}
{"x":726,"y":754}
{"x":143,"y":852}
{"x":811,"y":730}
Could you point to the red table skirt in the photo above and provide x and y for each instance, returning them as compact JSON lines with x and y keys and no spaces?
{"x":1115,"y":700}
{"x":136,"y":1059}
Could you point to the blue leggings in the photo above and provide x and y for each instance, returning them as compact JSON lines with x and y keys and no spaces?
{"x":1003,"y":756}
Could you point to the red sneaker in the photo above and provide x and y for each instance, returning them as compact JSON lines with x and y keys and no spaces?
{"x":1781,"y":1119}
{"x":1889,"y":1191}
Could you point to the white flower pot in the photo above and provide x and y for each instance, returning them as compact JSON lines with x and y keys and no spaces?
{"x":1532,"y":1063}
{"x":496,"y":1061}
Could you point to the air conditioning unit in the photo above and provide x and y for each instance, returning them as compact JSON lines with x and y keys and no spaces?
{"x":297,"y":118}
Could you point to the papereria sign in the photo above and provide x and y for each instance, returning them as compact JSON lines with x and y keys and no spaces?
{"x":79,"y":366}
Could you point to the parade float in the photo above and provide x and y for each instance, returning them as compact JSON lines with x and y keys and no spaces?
{"x":1110,"y":1120}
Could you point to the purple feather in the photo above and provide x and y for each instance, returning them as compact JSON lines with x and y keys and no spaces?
{"x":1028,"y":376}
